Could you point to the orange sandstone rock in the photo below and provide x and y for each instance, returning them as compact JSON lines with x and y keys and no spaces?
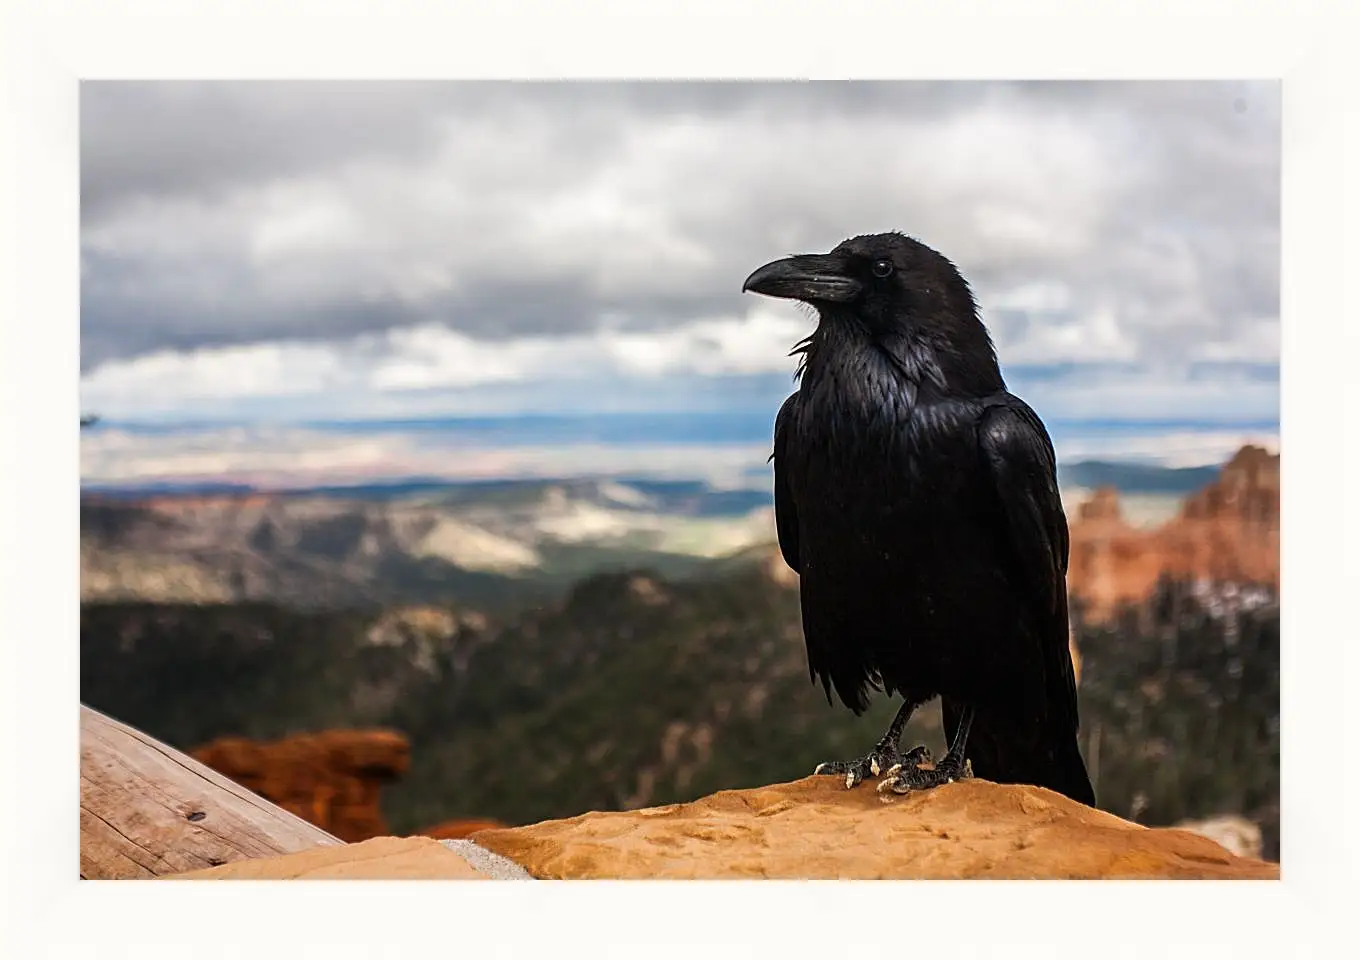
{"x":383,"y":858}
{"x":332,"y":778}
{"x":816,"y":829}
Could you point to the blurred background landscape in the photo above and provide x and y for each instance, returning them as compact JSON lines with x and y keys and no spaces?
{"x":425,"y":478}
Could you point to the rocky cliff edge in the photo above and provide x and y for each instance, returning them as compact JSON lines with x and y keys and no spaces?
{"x":816,"y":829}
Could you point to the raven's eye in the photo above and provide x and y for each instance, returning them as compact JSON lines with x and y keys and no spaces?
{"x":882,"y":268}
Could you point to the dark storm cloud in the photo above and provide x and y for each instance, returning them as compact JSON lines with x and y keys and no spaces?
{"x":241,"y":212}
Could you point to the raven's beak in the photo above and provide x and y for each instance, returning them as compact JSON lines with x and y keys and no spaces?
{"x":812,"y":278}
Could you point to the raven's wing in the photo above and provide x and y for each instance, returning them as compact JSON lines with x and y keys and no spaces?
{"x":1018,"y":454}
{"x":785,"y":514}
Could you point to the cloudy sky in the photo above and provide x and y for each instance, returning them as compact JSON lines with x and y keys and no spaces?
{"x":265,"y":255}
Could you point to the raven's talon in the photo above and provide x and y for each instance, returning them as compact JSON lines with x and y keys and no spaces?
{"x":905,"y":784}
{"x":917,"y":779}
{"x":884,"y":760}
{"x":855,"y":771}
{"x":894,"y":783}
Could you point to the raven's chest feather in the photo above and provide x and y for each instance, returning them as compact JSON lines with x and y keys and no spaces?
{"x":878,"y":442}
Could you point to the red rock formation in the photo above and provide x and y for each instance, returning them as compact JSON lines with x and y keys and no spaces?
{"x":331,"y":779}
{"x":1110,"y":562}
{"x":1227,"y":532}
{"x":1230,"y":530}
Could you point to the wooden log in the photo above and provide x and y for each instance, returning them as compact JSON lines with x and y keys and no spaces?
{"x":147,"y":810}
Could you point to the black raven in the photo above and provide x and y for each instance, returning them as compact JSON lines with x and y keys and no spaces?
{"x":918,"y":501}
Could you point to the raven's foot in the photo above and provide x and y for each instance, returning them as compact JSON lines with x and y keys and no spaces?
{"x":906,"y":778}
{"x":883,"y":757}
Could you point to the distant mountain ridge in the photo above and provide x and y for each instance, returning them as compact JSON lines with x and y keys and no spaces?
{"x":682,"y":496}
{"x":485,"y":543}
{"x":1135,"y":477}
{"x":489,"y":542}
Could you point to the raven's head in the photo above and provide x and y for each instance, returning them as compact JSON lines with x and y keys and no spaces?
{"x":886,"y":280}
{"x":908,"y":299}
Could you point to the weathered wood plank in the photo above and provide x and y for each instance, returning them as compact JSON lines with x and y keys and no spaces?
{"x":147,"y":810}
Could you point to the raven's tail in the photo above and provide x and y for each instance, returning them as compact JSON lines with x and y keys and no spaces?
{"x":1006,"y":751}
{"x":1067,"y":773}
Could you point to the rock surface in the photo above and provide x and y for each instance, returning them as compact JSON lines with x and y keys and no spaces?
{"x":382,"y":858}
{"x":816,"y":829}
{"x":331,"y":779}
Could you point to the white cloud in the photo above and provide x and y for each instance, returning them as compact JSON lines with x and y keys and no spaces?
{"x":301,"y":221}
{"x":1170,"y":449}
{"x":1254,"y":340}
{"x":159,"y":381}
{"x":1053,"y":337}
{"x":432,"y":357}
{"x":430,"y":369}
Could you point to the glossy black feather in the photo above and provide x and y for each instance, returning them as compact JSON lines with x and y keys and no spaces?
{"x":785,"y":514}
